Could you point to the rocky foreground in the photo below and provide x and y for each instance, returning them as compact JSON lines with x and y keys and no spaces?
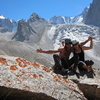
{"x":20,"y":78}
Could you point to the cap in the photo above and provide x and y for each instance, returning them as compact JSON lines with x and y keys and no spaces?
{"x":75,"y":42}
{"x":68,"y":40}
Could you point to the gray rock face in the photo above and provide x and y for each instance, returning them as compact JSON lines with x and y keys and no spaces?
{"x":30,"y":30}
{"x":93,"y":15}
{"x":23,"y":31}
{"x":3,"y":30}
{"x":8,"y":25}
{"x":34,"y":17}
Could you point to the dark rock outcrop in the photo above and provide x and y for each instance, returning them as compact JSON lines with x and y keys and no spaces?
{"x":90,"y":88}
{"x":15,"y":94}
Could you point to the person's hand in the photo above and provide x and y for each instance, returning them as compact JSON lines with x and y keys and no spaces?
{"x":39,"y":50}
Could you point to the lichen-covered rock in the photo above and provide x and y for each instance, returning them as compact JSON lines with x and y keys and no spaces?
{"x":24,"y":75}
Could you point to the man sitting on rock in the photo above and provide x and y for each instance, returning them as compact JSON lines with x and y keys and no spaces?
{"x":61,"y":60}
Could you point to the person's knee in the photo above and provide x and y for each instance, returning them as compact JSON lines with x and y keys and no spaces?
{"x":55,"y":56}
{"x":75,"y":58}
{"x":82,"y":66}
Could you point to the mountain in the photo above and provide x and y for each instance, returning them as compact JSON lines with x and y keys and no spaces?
{"x":30,"y":30}
{"x":93,"y":15}
{"x":7,"y":25}
{"x":23,"y":31}
{"x":30,"y":35}
{"x":63,"y":19}
{"x":39,"y":24}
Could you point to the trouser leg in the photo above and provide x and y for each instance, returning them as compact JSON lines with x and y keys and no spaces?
{"x":57,"y":61}
{"x":65,"y":63}
{"x":74,"y":61}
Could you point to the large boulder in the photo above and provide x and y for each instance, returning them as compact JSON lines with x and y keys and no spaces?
{"x":90,"y":88}
{"x":16,"y":94}
{"x":21,"y":74}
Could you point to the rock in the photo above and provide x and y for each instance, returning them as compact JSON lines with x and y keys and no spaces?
{"x":93,"y":14}
{"x":31,"y":76}
{"x":15,"y":94}
{"x":90,"y":88}
{"x":98,"y":92}
{"x":30,"y":30}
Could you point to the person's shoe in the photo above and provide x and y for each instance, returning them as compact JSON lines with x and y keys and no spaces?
{"x":76,"y":73}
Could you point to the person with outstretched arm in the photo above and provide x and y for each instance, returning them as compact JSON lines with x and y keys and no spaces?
{"x":62,"y":59}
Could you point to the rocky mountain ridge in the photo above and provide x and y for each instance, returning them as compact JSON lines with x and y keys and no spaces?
{"x":30,"y":30}
{"x":64,"y":19}
{"x":93,"y":15}
{"x":7,"y":25}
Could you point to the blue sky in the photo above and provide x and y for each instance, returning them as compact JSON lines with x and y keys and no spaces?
{"x":22,"y":9}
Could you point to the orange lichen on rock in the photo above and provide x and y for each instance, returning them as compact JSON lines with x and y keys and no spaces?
{"x":25,"y":88}
{"x":3,"y":61}
{"x":19,"y":75}
{"x":22,"y":62}
{"x":66,"y":80}
{"x":57,"y":78}
{"x":40,"y":76}
{"x":9,"y":82}
{"x":46,"y":69}
{"x":44,"y":88}
{"x":36,"y":65}
{"x":13,"y":67}
{"x":36,"y":76}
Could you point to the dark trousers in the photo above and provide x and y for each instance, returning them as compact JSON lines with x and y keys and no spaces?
{"x":62,"y":63}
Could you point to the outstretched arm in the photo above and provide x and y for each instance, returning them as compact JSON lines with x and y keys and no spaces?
{"x":83,"y":43}
{"x":91,"y":44}
{"x":48,"y":51}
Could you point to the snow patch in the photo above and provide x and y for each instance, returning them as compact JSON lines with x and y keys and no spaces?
{"x":2,"y":17}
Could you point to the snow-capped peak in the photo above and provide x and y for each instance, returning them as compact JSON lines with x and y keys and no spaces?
{"x":73,"y":19}
{"x":2,"y":17}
